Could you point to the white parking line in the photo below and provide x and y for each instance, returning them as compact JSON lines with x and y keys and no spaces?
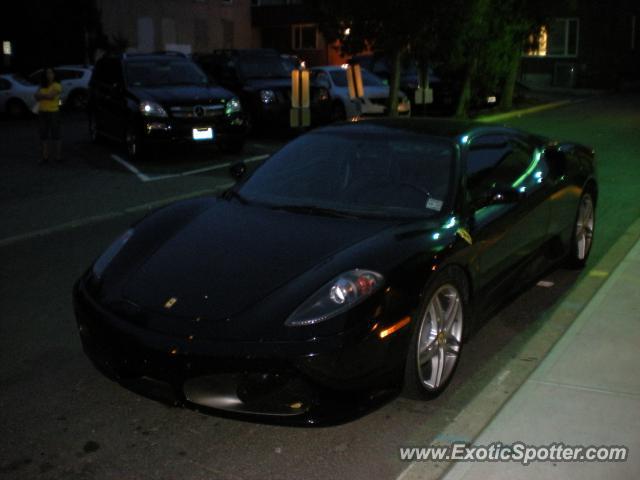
{"x":143,"y":177}
{"x":81,"y":222}
{"x":130,"y":167}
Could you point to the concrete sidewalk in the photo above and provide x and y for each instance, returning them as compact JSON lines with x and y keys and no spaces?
{"x":585,"y":392}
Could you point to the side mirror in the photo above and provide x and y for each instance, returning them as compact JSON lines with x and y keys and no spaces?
{"x":556,"y":157}
{"x":238,"y":170}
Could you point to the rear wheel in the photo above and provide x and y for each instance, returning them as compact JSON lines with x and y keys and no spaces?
{"x":584,"y":227}
{"x":436,"y":342}
{"x":17,"y":108}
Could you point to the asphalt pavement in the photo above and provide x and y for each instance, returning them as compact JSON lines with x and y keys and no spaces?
{"x":62,"y":419}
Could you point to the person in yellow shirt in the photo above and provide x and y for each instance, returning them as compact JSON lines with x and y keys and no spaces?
{"x":48,"y":97}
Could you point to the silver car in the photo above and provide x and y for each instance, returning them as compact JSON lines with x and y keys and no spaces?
{"x":74,"y":80}
{"x":16,"y":95}
{"x":374,"y":101}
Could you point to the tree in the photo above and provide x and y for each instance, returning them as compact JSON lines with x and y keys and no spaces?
{"x":477,"y":44}
{"x":385,"y":27}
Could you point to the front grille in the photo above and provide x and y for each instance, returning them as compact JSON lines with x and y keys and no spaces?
{"x":197,"y":111}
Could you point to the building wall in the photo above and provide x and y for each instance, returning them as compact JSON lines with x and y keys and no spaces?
{"x":607,"y":57}
{"x":184,"y":25}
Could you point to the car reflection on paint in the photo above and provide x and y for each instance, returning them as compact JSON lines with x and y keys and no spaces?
{"x":354,"y":262}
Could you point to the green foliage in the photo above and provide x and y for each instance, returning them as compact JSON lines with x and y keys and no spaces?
{"x":477,"y":42}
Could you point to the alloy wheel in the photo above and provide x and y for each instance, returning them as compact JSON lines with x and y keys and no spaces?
{"x":439,"y":338}
{"x":584,"y":227}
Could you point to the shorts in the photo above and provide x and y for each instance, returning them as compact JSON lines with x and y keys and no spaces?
{"x":49,"y":125}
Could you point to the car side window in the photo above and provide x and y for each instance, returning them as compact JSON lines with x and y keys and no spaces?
{"x":495,"y":161}
{"x":5,"y":84}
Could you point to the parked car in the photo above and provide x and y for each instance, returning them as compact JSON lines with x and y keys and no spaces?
{"x":381,"y":66}
{"x":262,"y":80}
{"x":357,"y":259}
{"x":150,"y":99}
{"x":16,"y":95}
{"x":374,"y":102}
{"x":74,"y":80}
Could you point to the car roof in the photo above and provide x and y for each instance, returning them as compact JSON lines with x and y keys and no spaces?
{"x":450,"y":129}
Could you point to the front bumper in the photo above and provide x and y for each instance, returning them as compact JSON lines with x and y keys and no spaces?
{"x":300,"y":382}
{"x":180,"y":130}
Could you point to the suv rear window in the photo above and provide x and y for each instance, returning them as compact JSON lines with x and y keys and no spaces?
{"x":163,"y":72}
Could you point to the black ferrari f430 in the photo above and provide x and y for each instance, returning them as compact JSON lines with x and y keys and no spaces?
{"x":354,"y":261}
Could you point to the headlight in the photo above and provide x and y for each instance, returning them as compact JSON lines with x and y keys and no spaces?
{"x":267,"y":96}
{"x":152,"y":109}
{"x":233,"y":106}
{"x":109,"y":254}
{"x":337,"y":296}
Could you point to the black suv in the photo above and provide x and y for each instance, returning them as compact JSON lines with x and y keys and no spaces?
{"x":262,"y":80}
{"x":145,"y":99}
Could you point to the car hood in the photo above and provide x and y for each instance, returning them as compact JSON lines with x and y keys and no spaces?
{"x":181,"y":94}
{"x":231,"y":256}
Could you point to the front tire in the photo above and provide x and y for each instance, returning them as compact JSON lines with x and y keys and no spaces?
{"x":436,"y":343}
{"x":136,"y":149}
{"x":583,"y":230}
{"x":16,"y":108}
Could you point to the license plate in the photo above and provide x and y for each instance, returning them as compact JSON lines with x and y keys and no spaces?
{"x":203,"y":133}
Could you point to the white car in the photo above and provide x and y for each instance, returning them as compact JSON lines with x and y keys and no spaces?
{"x":16,"y":95}
{"x":74,"y":80}
{"x":374,"y":102}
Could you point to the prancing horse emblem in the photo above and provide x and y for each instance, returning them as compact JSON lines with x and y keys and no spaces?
{"x":170,"y":303}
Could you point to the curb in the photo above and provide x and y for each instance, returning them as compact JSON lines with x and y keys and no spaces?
{"x":482,"y":409}
{"x":525,"y":111}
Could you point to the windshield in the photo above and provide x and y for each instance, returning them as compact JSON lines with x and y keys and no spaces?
{"x":263,"y":66}
{"x":379,"y":172}
{"x":161,"y":72}
{"x":339,"y":77}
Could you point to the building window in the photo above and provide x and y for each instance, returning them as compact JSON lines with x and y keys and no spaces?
{"x":558,"y":39}
{"x":6,"y":48}
{"x":305,"y":37}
